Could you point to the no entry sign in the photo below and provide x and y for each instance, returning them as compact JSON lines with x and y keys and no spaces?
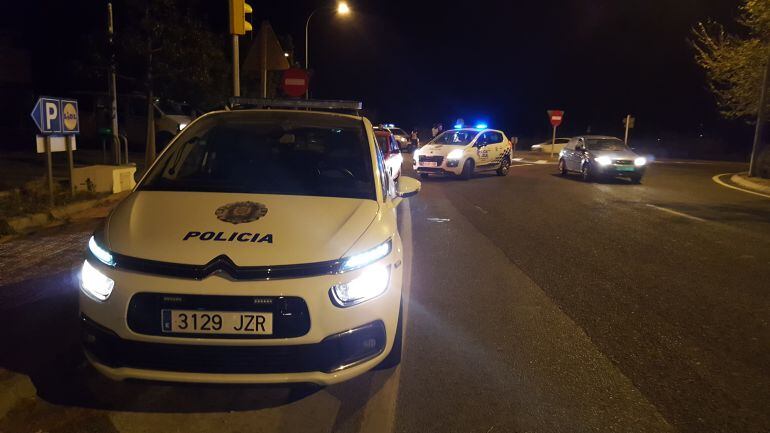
{"x":295,"y":82}
{"x":556,"y":117}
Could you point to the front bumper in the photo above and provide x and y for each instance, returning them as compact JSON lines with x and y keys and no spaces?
{"x":619,"y":170}
{"x":313,"y":341}
{"x":447,"y":166}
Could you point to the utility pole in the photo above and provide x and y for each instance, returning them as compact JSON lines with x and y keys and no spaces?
{"x":112,"y":88}
{"x":238,"y":27}
{"x":628,"y":125}
{"x":761,"y":115}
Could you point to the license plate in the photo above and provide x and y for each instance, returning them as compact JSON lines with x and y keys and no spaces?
{"x":621,"y":168}
{"x":216,"y":322}
{"x":429,"y":164}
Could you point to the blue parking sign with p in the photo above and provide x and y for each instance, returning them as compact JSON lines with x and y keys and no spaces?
{"x":47,"y":115}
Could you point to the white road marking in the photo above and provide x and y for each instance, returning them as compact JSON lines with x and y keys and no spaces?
{"x":482,"y":210}
{"x":541,"y":161}
{"x":520,"y":165}
{"x":517,"y":159}
{"x":673,"y":212}
{"x":720,"y":182}
{"x":439,"y":220}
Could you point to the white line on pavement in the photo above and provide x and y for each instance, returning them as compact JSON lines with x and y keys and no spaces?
{"x":721,"y":182}
{"x":541,"y":161}
{"x":517,"y":159}
{"x":673,"y":212}
{"x":482,"y":210}
{"x":520,"y":165}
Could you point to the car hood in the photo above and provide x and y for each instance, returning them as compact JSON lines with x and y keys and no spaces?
{"x":614,"y":154}
{"x":188,"y":227}
{"x":439,"y":149}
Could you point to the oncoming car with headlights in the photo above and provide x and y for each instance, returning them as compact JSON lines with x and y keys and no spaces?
{"x":463,"y":152}
{"x":599,"y":156}
{"x":260,"y":247}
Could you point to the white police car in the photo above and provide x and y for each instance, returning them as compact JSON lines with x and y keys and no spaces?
{"x":261,"y":247}
{"x":463,"y":152}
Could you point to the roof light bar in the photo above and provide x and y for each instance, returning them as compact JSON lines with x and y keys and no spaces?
{"x":294,"y":103}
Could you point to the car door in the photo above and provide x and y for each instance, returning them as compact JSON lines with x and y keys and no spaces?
{"x":576,"y":155}
{"x":566,"y":154}
{"x":482,"y":149}
{"x":496,"y":146}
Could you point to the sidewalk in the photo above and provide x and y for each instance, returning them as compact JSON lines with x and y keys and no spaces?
{"x":756,"y":184}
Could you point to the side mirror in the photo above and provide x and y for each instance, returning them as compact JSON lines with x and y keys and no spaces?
{"x":407,"y":187}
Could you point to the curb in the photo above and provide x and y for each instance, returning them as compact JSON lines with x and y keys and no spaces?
{"x":746,"y":182}
{"x":21,"y":224}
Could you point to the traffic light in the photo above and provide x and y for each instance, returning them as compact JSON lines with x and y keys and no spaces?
{"x":238,"y":23}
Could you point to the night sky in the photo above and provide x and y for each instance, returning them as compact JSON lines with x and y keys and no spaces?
{"x":505,"y":62}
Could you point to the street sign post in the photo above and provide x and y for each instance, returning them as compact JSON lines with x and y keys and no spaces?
{"x":628,"y":122}
{"x":60,"y":117}
{"x":295,"y":82}
{"x":556,"y":117}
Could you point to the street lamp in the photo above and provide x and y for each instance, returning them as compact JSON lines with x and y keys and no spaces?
{"x":342,"y":9}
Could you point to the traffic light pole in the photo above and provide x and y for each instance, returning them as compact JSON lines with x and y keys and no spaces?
{"x":236,"y":68}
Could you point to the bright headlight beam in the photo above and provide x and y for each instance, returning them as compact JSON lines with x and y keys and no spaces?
{"x":367,"y":257}
{"x":372,"y":282}
{"x":100,"y":253}
{"x":603,"y":160}
{"x":95,"y":284}
{"x":640,"y":161}
{"x":455,"y":154}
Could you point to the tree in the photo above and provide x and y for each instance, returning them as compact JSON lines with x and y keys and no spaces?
{"x":735,"y":65}
{"x":175,"y":55}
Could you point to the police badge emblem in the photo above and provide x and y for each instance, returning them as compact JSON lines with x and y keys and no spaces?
{"x":241,"y":212}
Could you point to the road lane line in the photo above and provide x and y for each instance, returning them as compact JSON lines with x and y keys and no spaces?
{"x":517,"y":159}
{"x":481,"y":209}
{"x":673,"y":212}
{"x":519,"y":165}
{"x":721,"y":182}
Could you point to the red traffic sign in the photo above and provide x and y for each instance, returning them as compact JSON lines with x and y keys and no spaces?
{"x":295,"y":82}
{"x":556,"y":117}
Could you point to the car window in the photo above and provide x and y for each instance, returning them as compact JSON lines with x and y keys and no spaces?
{"x":494,"y":137}
{"x":394,"y":145}
{"x":456,"y":137}
{"x":268,"y":153}
{"x":562,"y":140}
{"x":398,"y":131}
{"x":604,"y":144}
{"x":384,"y":179}
{"x":382,"y":142}
{"x":570,"y":145}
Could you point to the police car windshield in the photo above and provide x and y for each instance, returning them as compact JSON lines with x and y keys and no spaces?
{"x":459,"y":137}
{"x":295,"y":153}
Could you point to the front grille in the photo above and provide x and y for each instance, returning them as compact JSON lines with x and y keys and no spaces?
{"x":623,"y":162}
{"x":290,"y":314}
{"x":431,"y":158}
{"x":333,"y":353}
{"x":224,"y":264}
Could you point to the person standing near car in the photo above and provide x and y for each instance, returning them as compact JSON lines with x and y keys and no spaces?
{"x":434,"y":130}
{"x":415,"y":139}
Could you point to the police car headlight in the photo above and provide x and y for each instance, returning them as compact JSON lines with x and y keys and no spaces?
{"x":367,"y":257}
{"x":603,"y":160}
{"x":372,"y":283}
{"x":455,"y":154}
{"x":640,"y":161}
{"x":100,"y":253}
{"x":95,"y":284}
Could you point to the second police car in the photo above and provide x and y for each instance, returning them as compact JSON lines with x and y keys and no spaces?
{"x":464,"y":152}
{"x":260,"y":247}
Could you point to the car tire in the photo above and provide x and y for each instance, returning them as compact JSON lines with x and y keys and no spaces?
{"x":636,"y":179}
{"x":587,"y":173}
{"x":394,"y":357}
{"x":505,"y":164}
{"x":468,"y":167}
{"x":562,"y":167}
{"x":423,"y":175}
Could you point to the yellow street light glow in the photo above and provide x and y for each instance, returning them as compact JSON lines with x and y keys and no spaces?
{"x":343,"y":8}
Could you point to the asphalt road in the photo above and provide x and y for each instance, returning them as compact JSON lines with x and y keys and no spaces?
{"x":535,"y":303}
